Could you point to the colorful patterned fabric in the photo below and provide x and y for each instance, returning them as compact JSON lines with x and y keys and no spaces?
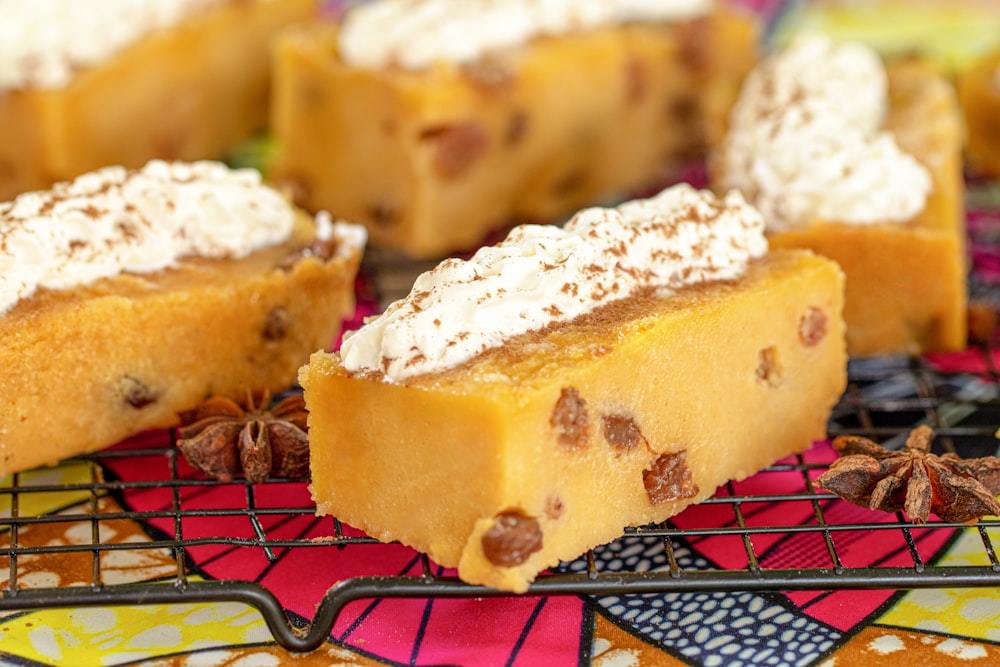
{"x":939,"y":625}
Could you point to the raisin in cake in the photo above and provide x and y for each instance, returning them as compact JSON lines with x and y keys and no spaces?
{"x":127,"y":297}
{"x":530,"y":403}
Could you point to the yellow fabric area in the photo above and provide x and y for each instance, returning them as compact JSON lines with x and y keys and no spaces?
{"x":31,"y":503}
{"x":965,"y":612}
{"x":114,"y":635}
{"x":955,"y":34}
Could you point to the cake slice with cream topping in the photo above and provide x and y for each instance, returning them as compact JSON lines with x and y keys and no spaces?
{"x":129,"y":296}
{"x":437,"y":122}
{"x":860,"y":161}
{"x":531,"y":402}
{"x":85,"y":85}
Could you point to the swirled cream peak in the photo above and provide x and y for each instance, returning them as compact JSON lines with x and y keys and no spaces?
{"x":806,"y":142}
{"x":44,"y":42}
{"x":542,"y":275}
{"x":114,"y":220}
{"x":416,"y":33}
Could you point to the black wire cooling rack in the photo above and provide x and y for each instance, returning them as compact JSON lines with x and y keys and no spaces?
{"x":885,"y":400}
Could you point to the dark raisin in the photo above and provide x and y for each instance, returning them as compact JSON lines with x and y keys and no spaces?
{"x":275,"y":324}
{"x":694,"y":40}
{"x":569,"y":418}
{"x":622,"y":433}
{"x":685,"y":113}
{"x":321,"y":250}
{"x":512,"y":538}
{"x":383,"y":214}
{"x":669,"y":478}
{"x":456,"y":147}
{"x":517,"y":127}
{"x":768,"y":366}
{"x":570,"y":182}
{"x":812,"y":326}
{"x":636,"y":81}
{"x":982,"y":319}
{"x":684,"y":110}
{"x":136,"y":393}
{"x":297,"y":187}
{"x":553,"y":507}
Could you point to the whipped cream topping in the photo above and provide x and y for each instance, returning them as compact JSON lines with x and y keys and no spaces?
{"x":44,"y":42}
{"x":806,"y":142}
{"x":542,"y":275}
{"x":416,"y":33}
{"x":114,"y":220}
{"x":349,"y":236}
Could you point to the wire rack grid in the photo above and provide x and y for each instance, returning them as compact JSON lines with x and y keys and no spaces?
{"x":885,"y":400}
{"x":142,"y":503}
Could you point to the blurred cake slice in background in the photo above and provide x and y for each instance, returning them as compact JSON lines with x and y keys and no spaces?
{"x":962,"y":37}
{"x":435,"y":123}
{"x":860,"y":160}
{"x":979,"y":93}
{"x":129,"y":296}
{"x":85,"y":85}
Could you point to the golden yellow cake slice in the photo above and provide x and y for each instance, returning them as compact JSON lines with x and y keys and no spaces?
{"x":437,"y":122}
{"x":127,"y":297}
{"x":860,"y":161}
{"x":85,"y":85}
{"x":525,"y":405}
{"x":979,"y":93}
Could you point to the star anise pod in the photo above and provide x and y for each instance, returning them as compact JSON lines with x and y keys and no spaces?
{"x":914,"y":480}
{"x":225,"y":440}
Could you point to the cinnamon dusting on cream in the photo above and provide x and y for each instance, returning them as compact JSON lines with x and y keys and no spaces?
{"x":113,"y":221}
{"x":542,"y":276}
{"x":807,"y":141}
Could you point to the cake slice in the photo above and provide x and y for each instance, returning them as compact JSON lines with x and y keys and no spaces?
{"x":521,"y":407}
{"x":979,"y":93}
{"x":435,"y":123}
{"x":85,"y":85}
{"x":128,"y":297}
{"x":860,"y":161}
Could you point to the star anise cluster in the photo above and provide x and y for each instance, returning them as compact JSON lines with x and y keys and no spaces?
{"x":914,"y":480}
{"x":224,"y":439}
